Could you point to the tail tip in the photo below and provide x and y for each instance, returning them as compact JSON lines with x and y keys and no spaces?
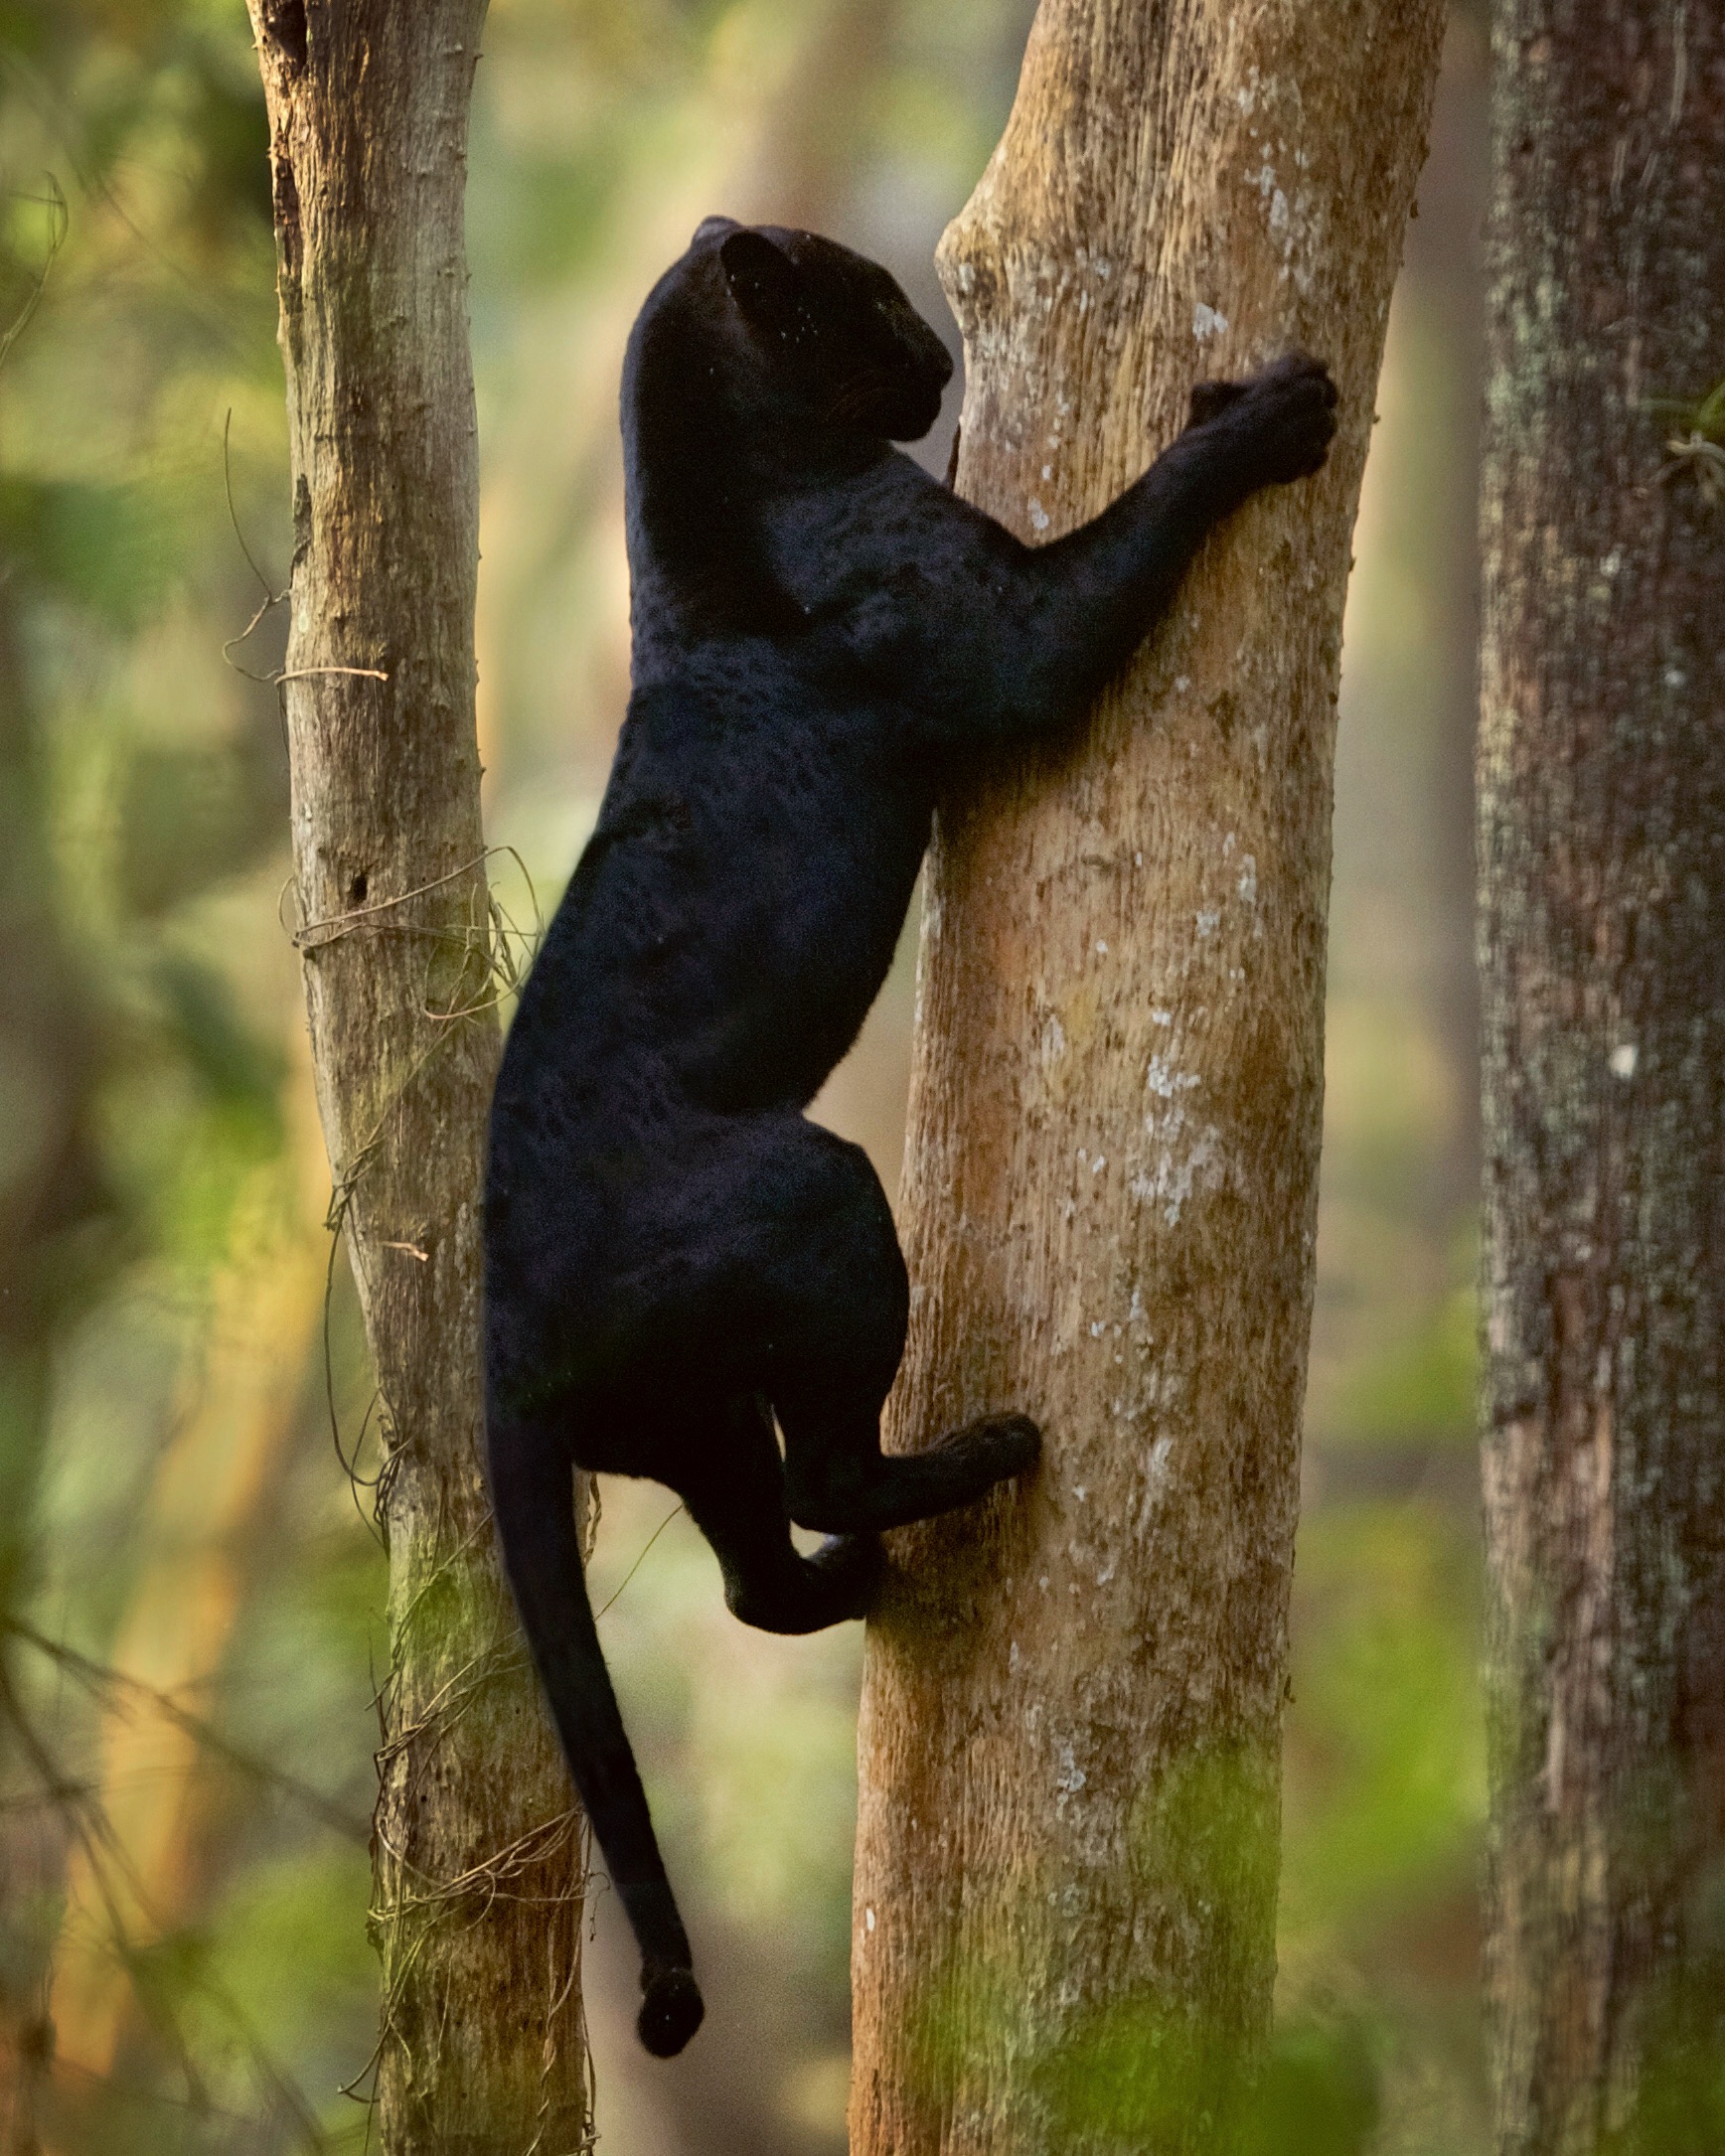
{"x":670,"y":2011}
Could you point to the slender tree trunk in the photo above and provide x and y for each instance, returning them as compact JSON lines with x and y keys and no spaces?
{"x":56,"y":1245}
{"x":478,"y":1874}
{"x":210,"y":1500}
{"x":1066,"y":1869}
{"x":1601,"y":856}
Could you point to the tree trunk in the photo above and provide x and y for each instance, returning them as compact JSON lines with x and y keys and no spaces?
{"x":58,"y":1243}
{"x":1601,"y":856}
{"x":1066,"y":1867}
{"x":478,"y":1874}
{"x":213,"y":1486}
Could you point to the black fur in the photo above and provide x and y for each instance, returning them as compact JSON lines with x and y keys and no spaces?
{"x":675,"y":1258}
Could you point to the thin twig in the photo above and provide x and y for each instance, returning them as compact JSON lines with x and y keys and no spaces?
{"x":1707,"y":459}
{"x":53,"y":199}
{"x":272,"y":597}
{"x":269,"y":599}
{"x":641,"y":1559}
{"x":344,"y":922}
{"x":300,"y":674}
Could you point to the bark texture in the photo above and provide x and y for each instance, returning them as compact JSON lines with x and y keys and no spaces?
{"x":1070,"y":1744}
{"x":477,"y":1843}
{"x":1601,"y":856}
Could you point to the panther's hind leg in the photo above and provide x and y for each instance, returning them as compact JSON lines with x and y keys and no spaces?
{"x":736,"y":1497}
{"x":839,"y":1305}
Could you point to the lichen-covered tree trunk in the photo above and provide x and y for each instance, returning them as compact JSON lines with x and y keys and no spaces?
{"x":1602,"y":858}
{"x":1070,"y":1745}
{"x":477,"y":1850}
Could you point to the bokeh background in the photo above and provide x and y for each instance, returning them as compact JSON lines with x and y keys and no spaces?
{"x":189,"y":1583}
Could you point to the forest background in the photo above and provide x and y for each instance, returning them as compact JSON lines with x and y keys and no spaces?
{"x":191,"y":1589}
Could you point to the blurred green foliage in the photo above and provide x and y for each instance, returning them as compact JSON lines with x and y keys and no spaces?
{"x":165,"y":1455}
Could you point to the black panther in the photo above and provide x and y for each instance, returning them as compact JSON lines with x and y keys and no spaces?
{"x":677,"y":1265}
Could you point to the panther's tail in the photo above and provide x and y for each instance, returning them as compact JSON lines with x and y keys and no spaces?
{"x":533,"y":1496}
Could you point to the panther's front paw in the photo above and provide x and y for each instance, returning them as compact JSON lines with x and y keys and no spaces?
{"x":1287,"y":416}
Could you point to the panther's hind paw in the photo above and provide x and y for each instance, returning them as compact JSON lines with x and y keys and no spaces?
{"x":852,"y":1566}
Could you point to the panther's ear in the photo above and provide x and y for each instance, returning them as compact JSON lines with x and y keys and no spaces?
{"x":710,"y":227}
{"x":762,"y":279}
